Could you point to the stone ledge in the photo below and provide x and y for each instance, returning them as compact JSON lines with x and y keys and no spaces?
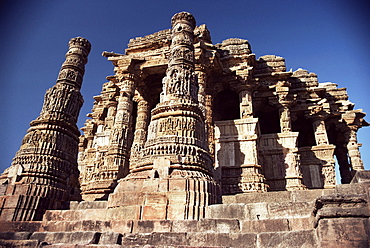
{"x":190,"y":240}
{"x":278,"y":196}
{"x":242,"y":240}
{"x":218,"y":226}
{"x":258,"y":226}
{"x":227,"y":211}
{"x":110,"y":238}
{"x":82,"y":246}
{"x":341,"y":205}
{"x":20,"y":226}
{"x":149,"y":226}
{"x":15,"y":235}
{"x":345,"y":232}
{"x":125,"y":212}
{"x":88,"y":205}
{"x":67,"y":237}
{"x":353,"y":188}
{"x":18,"y":243}
{"x":361,"y":177}
{"x":305,"y":238}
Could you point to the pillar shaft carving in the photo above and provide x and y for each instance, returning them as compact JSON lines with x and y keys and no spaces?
{"x":285,"y":101}
{"x":354,"y":120}
{"x":246,"y":109}
{"x":141,"y":128}
{"x":323,"y":151}
{"x":321,"y":136}
{"x":353,"y":150}
{"x":285,"y":120}
{"x":210,"y":126}
{"x":202,"y":83}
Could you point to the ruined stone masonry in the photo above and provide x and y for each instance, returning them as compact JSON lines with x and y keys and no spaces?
{"x":189,"y":144}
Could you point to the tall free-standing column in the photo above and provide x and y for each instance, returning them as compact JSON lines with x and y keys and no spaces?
{"x":44,"y":172}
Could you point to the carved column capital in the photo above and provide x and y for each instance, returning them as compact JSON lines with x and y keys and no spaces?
{"x":73,"y":68}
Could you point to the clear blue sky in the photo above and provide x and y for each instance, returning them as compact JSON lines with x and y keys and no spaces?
{"x":330,"y":38}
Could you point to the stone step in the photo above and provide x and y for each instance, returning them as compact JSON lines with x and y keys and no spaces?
{"x":108,"y":239}
{"x":75,"y":205}
{"x":82,"y":246}
{"x":149,"y":226}
{"x":247,"y":206}
{"x":88,"y":237}
{"x":261,"y":211}
{"x":353,"y":188}
{"x":20,"y":226}
{"x":204,"y":225}
{"x":242,"y":211}
{"x":9,"y":243}
{"x":15,"y":235}
{"x":121,"y":226}
{"x":18,"y":239}
{"x":125,"y":212}
{"x":303,"y":238}
{"x":277,"y":197}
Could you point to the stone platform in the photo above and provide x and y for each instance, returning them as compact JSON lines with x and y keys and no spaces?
{"x":308,"y":218}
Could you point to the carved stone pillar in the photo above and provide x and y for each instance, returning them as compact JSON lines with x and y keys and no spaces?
{"x":288,"y":139}
{"x":44,"y":172}
{"x":353,"y":150}
{"x":105,"y":159}
{"x":328,"y":167}
{"x":236,"y":156}
{"x":321,"y":136}
{"x":172,"y":178}
{"x":282,"y":92}
{"x":210,"y":126}
{"x":202,"y":82}
{"x":354,"y":120}
{"x":281,"y":161}
{"x":285,"y":120}
{"x":121,"y":129}
{"x":246,"y":107}
{"x":141,"y":129}
{"x":318,"y":164}
{"x":347,"y":152}
{"x":121,"y":135}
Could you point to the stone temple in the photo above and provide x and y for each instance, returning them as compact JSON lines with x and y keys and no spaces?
{"x":189,"y":144}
